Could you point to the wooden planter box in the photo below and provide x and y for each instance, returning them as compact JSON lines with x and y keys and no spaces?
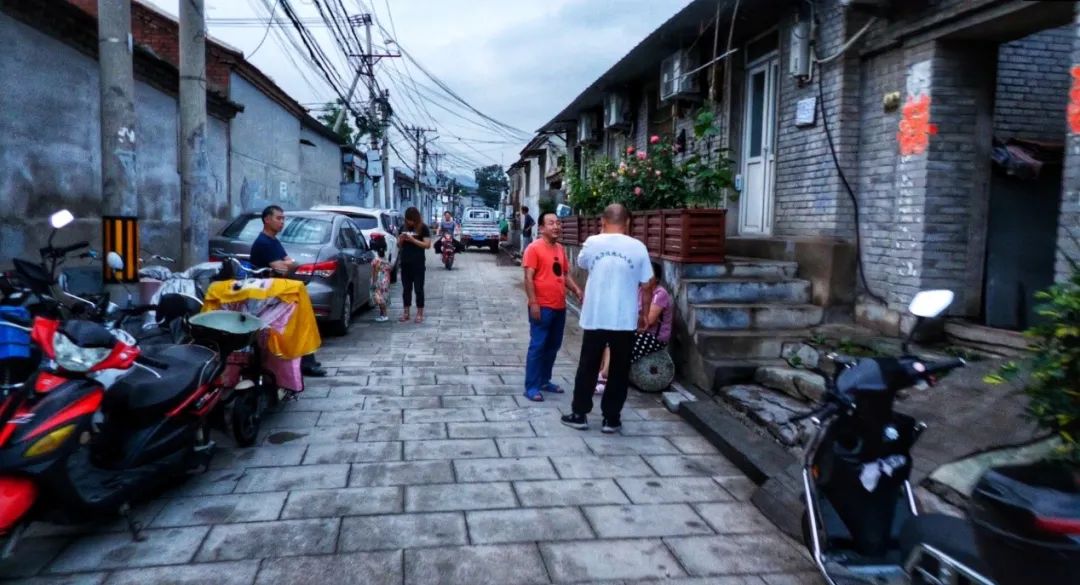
{"x":689,"y":236}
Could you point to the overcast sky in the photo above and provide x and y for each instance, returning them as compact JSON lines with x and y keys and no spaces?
{"x":519,"y":61}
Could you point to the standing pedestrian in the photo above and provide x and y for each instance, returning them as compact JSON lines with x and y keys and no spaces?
{"x":618,"y":265}
{"x":527,"y":224}
{"x":547,"y":281}
{"x":380,"y":277}
{"x":267,"y":252}
{"x":414,"y":239}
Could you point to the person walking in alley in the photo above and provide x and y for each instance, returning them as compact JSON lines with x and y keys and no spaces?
{"x":527,"y":224}
{"x":414,"y":239}
{"x":618,"y":265}
{"x":380,"y":277}
{"x":267,"y":252}
{"x":547,"y":281}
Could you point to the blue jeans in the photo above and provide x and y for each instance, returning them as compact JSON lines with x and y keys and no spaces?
{"x":545,"y":339}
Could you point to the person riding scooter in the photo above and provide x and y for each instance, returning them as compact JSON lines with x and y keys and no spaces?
{"x":448,"y":226}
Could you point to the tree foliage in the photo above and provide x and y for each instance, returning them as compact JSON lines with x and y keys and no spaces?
{"x":349,"y":133}
{"x":491,"y":183}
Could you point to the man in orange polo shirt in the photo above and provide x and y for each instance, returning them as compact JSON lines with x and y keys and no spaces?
{"x":547,"y":280}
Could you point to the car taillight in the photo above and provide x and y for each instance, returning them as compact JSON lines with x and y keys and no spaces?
{"x":320,"y":269}
{"x":1061,"y":526}
{"x":214,"y":258}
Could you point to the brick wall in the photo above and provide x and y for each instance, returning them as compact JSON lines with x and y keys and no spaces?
{"x":1069,"y":219}
{"x":1033,"y":86}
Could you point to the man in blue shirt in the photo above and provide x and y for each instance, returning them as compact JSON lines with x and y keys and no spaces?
{"x":267,"y":252}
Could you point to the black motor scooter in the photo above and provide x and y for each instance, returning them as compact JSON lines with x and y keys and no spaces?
{"x":861,"y":523}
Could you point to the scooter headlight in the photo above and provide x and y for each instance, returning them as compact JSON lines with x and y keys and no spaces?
{"x":73,"y":358}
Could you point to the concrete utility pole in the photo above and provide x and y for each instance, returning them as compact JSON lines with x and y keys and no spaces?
{"x":421,"y":145}
{"x":194,"y":163}
{"x":117,"y":80}
{"x":387,"y":179}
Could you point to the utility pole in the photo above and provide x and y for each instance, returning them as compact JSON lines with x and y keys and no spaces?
{"x":194,"y":228}
{"x":388,"y":193}
{"x":117,"y":81}
{"x":421,"y":145}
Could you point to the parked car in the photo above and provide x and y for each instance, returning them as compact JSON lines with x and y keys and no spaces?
{"x":332,"y":254}
{"x":480,"y":228}
{"x":387,"y":222}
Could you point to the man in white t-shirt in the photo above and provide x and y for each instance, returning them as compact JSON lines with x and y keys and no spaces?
{"x":618,"y":265}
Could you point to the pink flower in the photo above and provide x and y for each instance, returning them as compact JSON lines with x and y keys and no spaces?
{"x":642,"y":155}
{"x":629,"y":150}
{"x":654,"y":139}
{"x":638,"y":191}
{"x":657,"y":173}
{"x":614,"y":175}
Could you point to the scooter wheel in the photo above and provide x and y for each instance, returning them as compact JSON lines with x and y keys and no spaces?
{"x":247,"y":414}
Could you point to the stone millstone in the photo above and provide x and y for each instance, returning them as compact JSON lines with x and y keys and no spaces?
{"x":798,"y":384}
{"x":771,"y":410}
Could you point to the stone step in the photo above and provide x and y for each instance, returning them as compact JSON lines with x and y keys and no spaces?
{"x":736,"y":267}
{"x":726,"y":372}
{"x":746,"y":290}
{"x":746,"y":345}
{"x":734,"y":316}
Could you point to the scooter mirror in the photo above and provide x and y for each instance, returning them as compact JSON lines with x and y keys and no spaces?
{"x":931,"y":303}
{"x":563,"y":210}
{"x":61,"y":218}
{"x":115,"y":261}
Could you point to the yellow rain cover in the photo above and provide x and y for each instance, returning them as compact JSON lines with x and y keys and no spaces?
{"x":301,"y":334}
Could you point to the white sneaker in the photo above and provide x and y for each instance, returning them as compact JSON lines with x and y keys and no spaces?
{"x":382,"y":319}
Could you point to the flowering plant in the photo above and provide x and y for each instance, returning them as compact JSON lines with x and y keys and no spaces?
{"x":657,"y":177}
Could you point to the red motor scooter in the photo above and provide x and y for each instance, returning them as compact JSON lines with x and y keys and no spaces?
{"x":100,"y":425}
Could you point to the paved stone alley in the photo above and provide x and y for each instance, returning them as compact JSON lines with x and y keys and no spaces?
{"x":418,"y":461}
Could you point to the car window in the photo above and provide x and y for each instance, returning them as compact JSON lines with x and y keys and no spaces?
{"x":387,"y":221}
{"x":297,"y":230}
{"x":365,"y":222}
{"x":347,"y":237}
{"x":479,"y":214}
{"x":361,"y":242}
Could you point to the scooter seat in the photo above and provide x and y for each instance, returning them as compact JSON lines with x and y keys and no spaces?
{"x":948,"y":534}
{"x":143,"y":393}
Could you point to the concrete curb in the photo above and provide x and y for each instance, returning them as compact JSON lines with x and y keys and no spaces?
{"x":777,"y":472}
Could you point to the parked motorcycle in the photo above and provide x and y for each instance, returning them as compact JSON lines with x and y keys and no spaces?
{"x":101,"y":426}
{"x":861,"y":523}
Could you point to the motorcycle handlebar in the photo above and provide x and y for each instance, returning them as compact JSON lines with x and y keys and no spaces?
{"x":934,"y":368}
{"x":73,"y":247}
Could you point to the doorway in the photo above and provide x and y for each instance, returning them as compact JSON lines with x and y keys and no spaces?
{"x":759,"y":150}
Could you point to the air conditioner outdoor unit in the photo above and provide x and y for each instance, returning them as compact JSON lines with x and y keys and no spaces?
{"x":615,"y":110}
{"x":587,"y":129}
{"x":674,"y":82}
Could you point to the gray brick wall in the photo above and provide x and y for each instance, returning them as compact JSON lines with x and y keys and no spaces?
{"x":1069,"y":218}
{"x":1033,"y":86}
{"x":809,"y":197}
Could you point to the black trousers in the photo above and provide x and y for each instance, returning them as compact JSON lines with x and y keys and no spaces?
{"x":592,"y":353}
{"x":412,"y":277}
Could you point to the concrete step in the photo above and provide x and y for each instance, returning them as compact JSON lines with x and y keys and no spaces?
{"x":736,"y":267}
{"x":735,"y":316}
{"x":746,"y":345}
{"x":730,"y":371}
{"x":746,"y":290}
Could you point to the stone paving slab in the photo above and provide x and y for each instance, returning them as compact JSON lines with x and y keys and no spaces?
{"x":394,"y":431}
{"x":377,"y":568}
{"x":491,"y":402}
{"x":668,"y":490}
{"x":569,"y":492}
{"x":699,"y":465}
{"x":734,"y":518}
{"x":458,"y":496}
{"x":738,"y":553}
{"x":450,"y":449}
{"x":610,"y":559}
{"x":402,"y":531}
{"x":227,"y":573}
{"x":444,"y":415}
{"x":489,"y":430}
{"x":343,"y":502}
{"x":648,"y":521}
{"x":267,"y":456}
{"x":526,"y":447}
{"x":401,"y":473}
{"x":274,"y":479}
{"x":592,"y":467}
{"x":259,"y":540}
{"x":201,"y":510}
{"x":527,"y":525}
{"x":439,"y":390}
{"x":505,"y":469}
{"x":170,"y":546}
{"x":625,"y":445}
{"x":330,"y":453}
{"x":514,"y":564}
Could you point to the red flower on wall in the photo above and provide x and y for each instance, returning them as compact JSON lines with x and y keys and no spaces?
{"x":1073,"y":111}
{"x":915,"y":127}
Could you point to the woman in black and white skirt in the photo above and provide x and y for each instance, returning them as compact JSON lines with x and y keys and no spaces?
{"x":654,"y":322}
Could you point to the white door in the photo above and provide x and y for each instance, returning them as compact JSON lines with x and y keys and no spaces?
{"x":759,"y":139}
